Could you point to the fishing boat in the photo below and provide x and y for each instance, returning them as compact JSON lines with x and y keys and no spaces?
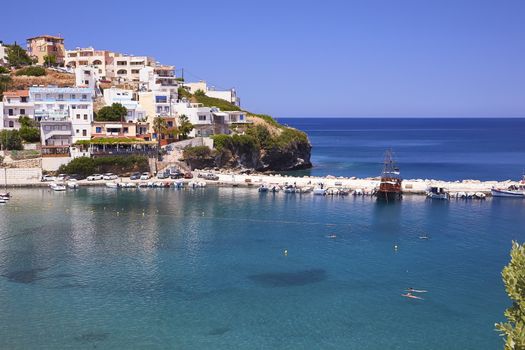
{"x":112,"y":185}
{"x":390,"y":186}
{"x":57,"y":187}
{"x":290,"y":189}
{"x":512,"y":191}
{"x":319,"y":191}
{"x":437,"y":193}
{"x":263,"y":188}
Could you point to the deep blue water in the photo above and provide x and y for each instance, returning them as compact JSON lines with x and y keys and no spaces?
{"x":205,"y":269}
{"x":446,"y":149}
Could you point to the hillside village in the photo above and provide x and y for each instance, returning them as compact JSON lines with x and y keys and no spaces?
{"x":84,"y":102}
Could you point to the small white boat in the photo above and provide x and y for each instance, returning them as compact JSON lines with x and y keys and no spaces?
{"x":178,"y":184}
{"x":129,"y":185}
{"x":112,"y":185}
{"x":197,"y":184}
{"x":3,"y":201}
{"x":73,"y":184}
{"x":290,"y":189}
{"x":263,"y":188}
{"x":480,"y":195}
{"x":332,"y":191}
{"x":57,"y":187}
{"x":358,"y":192}
{"x":275,"y":188}
{"x":6,"y":195}
{"x":318,"y":191}
{"x":306,"y":189}
{"x":344,"y":191}
{"x":437,"y":193}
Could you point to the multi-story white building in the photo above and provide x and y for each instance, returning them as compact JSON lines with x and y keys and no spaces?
{"x":98,"y":59}
{"x":227,"y":95}
{"x":65,"y":114}
{"x":125,"y":98}
{"x":86,"y":76}
{"x":15,"y":105}
{"x":201,"y":117}
{"x":127,"y":67}
{"x":159,"y":78}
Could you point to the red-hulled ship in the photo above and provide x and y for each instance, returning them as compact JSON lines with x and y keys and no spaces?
{"x":390,"y":186}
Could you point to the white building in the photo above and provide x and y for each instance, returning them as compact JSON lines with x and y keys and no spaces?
{"x":127,"y":67}
{"x":125,"y":98}
{"x":98,"y":59}
{"x":201,"y":117}
{"x":15,"y":105}
{"x":65,"y":114}
{"x":159,"y":78}
{"x":227,"y":95}
{"x":86,"y":76}
{"x":3,"y":54}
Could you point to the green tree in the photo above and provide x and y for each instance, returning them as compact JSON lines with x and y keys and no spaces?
{"x":199,"y":92}
{"x":29,"y":129}
{"x":160,"y":126}
{"x":50,"y":60}
{"x":17,"y":56}
{"x":114,"y":113}
{"x":10,"y":140}
{"x":514,"y":278}
{"x":185,"y":127}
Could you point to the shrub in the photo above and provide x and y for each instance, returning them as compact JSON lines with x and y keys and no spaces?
{"x":17,"y":56}
{"x":268,"y":119}
{"x":197,"y":152}
{"x":118,"y":164}
{"x":30,"y":134}
{"x":221,"y":141}
{"x":31,"y":71}
{"x":10,"y":140}
{"x":4,"y":70}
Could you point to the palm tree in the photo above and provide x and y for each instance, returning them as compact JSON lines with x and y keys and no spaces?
{"x":185,"y":127}
{"x":159,"y":126}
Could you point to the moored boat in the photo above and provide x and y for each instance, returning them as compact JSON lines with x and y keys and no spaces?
{"x":57,"y":187}
{"x":507,"y":193}
{"x":437,"y":193}
{"x":390,"y":186}
{"x":112,"y":185}
{"x":263,"y":188}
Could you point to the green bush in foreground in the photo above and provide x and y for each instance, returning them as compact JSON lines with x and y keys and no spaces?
{"x":31,"y":71}
{"x":514,"y":278}
{"x":10,"y":140}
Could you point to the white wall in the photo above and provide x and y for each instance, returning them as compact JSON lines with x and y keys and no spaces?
{"x":53,"y":163}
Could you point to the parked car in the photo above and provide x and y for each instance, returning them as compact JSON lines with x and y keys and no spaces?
{"x":110,"y":176}
{"x":145,"y":176}
{"x":163,"y":175}
{"x":135,"y":176}
{"x":62,"y":177}
{"x":46,"y":178}
{"x":76,"y":177}
{"x":209,"y":176}
{"x":176,"y":175}
{"x":188,"y":175}
{"x":94,"y":177}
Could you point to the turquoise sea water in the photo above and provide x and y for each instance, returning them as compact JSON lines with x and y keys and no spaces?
{"x":206,"y":269}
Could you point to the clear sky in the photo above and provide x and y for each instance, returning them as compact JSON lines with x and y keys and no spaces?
{"x":313,"y":58}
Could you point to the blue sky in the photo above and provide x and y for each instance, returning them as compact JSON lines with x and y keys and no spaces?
{"x":314,"y":58}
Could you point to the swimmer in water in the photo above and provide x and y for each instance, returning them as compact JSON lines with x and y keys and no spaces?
{"x":412,"y":290}
{"x":409,"y":295}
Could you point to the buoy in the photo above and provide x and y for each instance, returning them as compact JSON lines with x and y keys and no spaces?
{"x":395,"y":247}
{"x":285,"y":252}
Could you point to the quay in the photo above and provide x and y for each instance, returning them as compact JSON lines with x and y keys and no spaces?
{"x":232,"y":179}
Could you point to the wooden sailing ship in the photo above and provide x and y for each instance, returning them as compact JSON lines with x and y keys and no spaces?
{"x":390,"y":187}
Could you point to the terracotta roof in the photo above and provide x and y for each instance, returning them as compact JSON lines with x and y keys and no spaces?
{"x":17,"y":93}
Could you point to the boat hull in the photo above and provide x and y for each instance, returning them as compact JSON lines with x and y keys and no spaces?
{"x":388,"y":196}
{"x":507,"y":193}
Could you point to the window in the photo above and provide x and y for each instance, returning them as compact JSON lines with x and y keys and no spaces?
{"x":84,"y":132}
{"x":11,"y":124}
{"x":202,"y":118}
{"x":22,"y":111}
{"x":10,"y":112}
{"x":98,"y":130}
{"x":170,"y":124}
{"x":126,"y":130}
{"x":73,"y":96}
{"x":241,"y":116}
{"x":38,"y":96}
{"x":161,"y":99}
{"x":78,"y":116}
{"x":85,"y":116}
{"x":84,"y":97}
{"x":60,"y":96}
{"x":78,"y":131}
{"x":23,"y":99}
{"x":134,"y":71}
{"x":73,"y":106}
{"x":122,"y":63}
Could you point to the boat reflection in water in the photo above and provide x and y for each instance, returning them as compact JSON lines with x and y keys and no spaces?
{"x":390,"y":187}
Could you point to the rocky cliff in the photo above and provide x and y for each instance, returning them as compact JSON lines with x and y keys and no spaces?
{"x":263,"y":145}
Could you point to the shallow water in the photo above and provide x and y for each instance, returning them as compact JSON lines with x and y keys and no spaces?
{"x":206,"y":269}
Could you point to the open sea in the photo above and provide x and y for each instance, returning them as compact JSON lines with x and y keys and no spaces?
{"x":425,"y":148}
{"x":229,"y":268}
